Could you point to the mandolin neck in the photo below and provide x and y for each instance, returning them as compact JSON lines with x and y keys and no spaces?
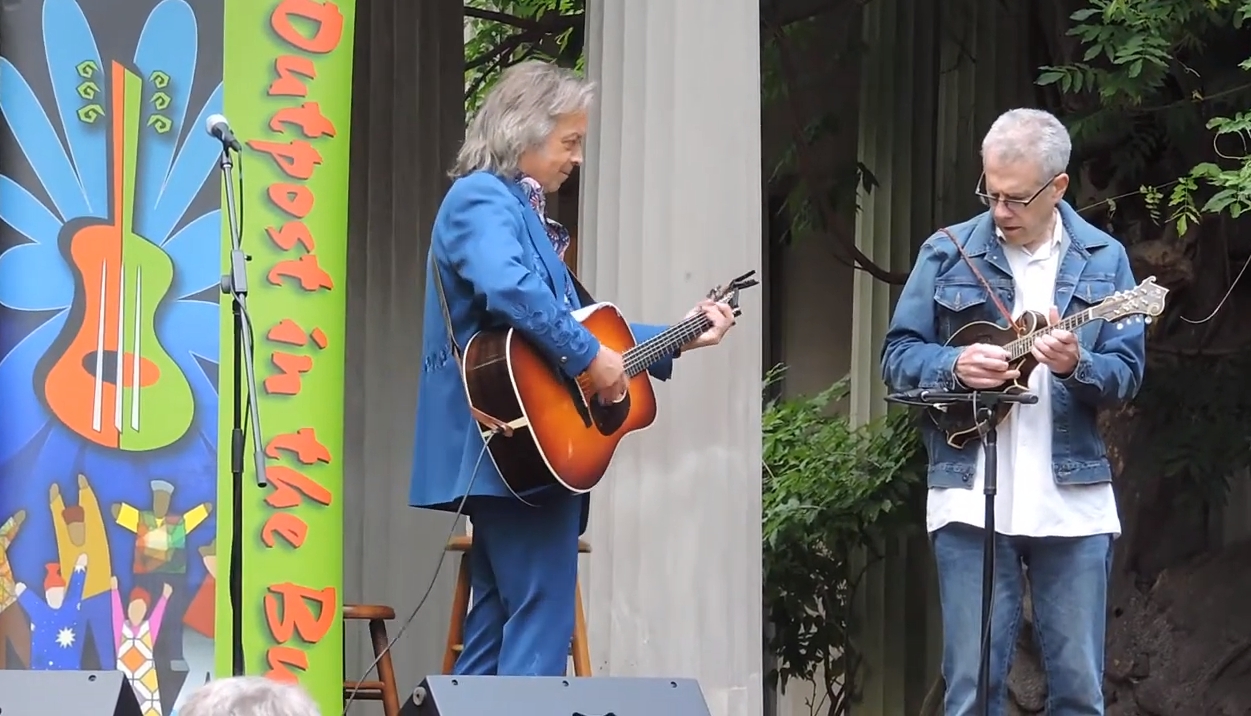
{"x":1020,"y":347}
{"x":664,"y":344}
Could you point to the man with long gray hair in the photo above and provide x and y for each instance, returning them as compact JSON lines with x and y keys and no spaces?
{"x":498,"y":260}
{"x":249,"y":696}
{"x":1055,"y":513}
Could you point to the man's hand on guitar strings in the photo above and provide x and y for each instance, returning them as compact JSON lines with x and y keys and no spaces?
{"x":1058,"y":350}
{"x":982,"y":367}
{"x":720,"y":315}
{"x":607,"y":374}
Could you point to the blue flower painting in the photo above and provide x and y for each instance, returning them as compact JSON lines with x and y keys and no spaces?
{"x":110,"y":245}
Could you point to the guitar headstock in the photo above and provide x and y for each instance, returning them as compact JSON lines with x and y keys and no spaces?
{"x":1146,"y":299}
{"x":728,"y":294}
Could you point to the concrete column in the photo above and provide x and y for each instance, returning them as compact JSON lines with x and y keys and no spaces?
{"x":896,"y":137}
{"x":671,"y":206}
{"x":408,"y":120}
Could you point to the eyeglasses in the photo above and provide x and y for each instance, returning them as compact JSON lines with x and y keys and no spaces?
{"x":1009,"y":202}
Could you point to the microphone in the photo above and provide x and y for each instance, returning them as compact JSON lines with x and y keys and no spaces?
{"x":917,"y":398}
{"x":914,"y":394}
{"x":941,"y":399}
{"x":217,"y":126}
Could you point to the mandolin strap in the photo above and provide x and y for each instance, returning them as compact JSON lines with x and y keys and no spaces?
{"x":1003,"y":310}
{"x":489,"y":422}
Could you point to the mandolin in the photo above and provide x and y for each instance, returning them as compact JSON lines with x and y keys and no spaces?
{"x":106,"y":376}
{"x":957,"y":420}
{"x":554,"y":431}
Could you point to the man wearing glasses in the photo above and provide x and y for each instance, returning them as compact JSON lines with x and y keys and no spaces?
{"x":1055,"y":513}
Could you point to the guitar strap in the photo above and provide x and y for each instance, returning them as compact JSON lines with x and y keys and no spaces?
{"x":487,"y":421}
{"x":1003,"y":310}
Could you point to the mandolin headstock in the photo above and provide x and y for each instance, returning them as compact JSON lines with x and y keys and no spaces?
{"x":728,"y":294}
{"x":1146,"y":299}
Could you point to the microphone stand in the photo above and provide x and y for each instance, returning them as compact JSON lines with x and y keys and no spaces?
{"x":235,"y":285}
{"x":985,"y":406}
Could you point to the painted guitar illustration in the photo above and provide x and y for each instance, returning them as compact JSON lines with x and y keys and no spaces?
{"x":957,"y":419}
{"x":106,"y":376}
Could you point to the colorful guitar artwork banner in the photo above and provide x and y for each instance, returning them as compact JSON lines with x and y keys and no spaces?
{"x":113,"y":326}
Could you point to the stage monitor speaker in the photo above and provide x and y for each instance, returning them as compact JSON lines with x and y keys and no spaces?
{"x":555,"y":696}
{"x":76,"y":693}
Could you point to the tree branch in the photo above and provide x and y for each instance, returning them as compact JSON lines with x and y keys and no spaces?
{"x":773,"y":14}
{"x":532,"y":31}
{"x":506,"y":46}
{"x":501,"y":17}
{"x":551,"y":22}
{"x":809,"y":174}
{"x":501,"y":60}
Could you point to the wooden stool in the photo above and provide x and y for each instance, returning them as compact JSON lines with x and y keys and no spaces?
{"x":578,"y":648}
{"x":383,"y":690}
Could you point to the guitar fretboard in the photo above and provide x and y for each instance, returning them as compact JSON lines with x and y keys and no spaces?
{"x":664,"y":344}
{"x":1021,"y":347}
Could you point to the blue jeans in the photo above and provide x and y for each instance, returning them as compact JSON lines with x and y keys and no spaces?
{"x":1068,"y":579}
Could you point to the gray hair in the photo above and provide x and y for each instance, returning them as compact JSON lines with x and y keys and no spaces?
{"x":249,"y":696}
{"x":1030,"y":135}
{"x":519,"y":113}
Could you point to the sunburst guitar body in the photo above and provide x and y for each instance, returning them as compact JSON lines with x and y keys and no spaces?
{"x":548,"y":434}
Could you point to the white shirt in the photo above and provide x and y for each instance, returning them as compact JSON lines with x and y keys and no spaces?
{"x":1029,"y":502}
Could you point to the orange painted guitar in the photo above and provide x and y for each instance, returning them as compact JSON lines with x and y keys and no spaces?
{"x":106,"y":376}
{"x":554,"y":431}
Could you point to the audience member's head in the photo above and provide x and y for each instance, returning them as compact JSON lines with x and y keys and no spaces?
{"x":249,"y":696}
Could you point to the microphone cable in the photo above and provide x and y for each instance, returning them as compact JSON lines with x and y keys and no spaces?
{"x":434,"y":578}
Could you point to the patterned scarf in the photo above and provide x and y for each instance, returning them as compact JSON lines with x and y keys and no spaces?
{"x":538,"y":200}
{"x":558,"y":234}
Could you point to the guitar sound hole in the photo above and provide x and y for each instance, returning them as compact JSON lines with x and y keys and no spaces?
{"x":608,"y":419}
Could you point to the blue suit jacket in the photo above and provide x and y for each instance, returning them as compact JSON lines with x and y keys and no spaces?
{"x":498,"y":268}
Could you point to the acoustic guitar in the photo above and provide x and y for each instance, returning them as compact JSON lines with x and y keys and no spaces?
{"x":958,"y":421}
{"x":553,"y":431}
{"x":106,"y":376}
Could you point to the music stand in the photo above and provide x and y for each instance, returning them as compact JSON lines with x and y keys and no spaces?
{"x":985,"y":409}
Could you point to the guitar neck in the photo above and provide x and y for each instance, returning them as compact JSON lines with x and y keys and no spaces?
{"x":1021,"y":347}
{"x":664,"y":344}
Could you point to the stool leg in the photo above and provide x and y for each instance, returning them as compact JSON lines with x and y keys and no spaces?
{"x":386,"y":670}
{"x":581,"y":651}
{"x":460,"y":608}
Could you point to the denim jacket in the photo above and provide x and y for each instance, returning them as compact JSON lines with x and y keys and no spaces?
{"x":942,"y":295}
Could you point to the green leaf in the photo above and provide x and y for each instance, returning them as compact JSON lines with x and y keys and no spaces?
{"x":1050,"y":77}
{"x":832,"y":491}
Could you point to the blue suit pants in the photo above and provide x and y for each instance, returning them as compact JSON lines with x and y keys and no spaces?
{"x":523,"y":569}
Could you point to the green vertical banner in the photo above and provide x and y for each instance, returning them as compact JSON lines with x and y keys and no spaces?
{"x":287,"y":77}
